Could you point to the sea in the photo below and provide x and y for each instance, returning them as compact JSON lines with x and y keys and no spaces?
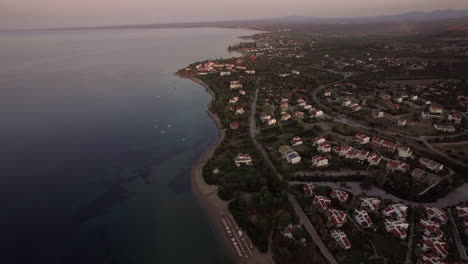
{"x":97,"y":141}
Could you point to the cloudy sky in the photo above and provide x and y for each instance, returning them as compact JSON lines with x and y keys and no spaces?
{"x":64,"y":13}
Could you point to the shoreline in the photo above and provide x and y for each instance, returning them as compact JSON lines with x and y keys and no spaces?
{"x":207,"y":194}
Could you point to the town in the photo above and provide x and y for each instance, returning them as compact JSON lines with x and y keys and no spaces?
{"x":342,"y":148}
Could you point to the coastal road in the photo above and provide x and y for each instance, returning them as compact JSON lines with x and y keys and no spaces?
{"x":310,"y":228}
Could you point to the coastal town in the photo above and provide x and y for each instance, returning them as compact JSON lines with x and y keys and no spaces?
{"x":341,"y":148}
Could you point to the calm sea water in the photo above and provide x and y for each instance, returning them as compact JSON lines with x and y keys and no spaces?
{"x":85,"y":174}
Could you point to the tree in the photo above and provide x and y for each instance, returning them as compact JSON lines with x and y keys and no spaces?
{"x":379,"y":176}
{"x":284,"y":219}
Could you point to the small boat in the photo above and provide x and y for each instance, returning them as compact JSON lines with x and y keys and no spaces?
{"x":155,"y":125}
{"x":169,"y":125}
{"x":163,"y":132}
{"x":184,"y":139}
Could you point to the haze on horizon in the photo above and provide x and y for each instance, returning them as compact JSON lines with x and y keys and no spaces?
{"x":23,"y":14}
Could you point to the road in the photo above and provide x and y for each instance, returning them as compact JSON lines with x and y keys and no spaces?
{"x":345,"y":172}
{"x":454,"y":197}
{"x":456,"y":236}
{"x":310,"y":228}
{"x":299,"y":212}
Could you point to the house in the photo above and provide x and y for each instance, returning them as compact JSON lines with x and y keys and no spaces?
{"x":362,"y":218}
{"x":461,"y":210}
{"x":224,"y":73}
{"x":430,"y":164}
{"x":404,"y":152}
{"x":243,"y":159}
{"x":398,"y":211}
{"x":295,"y":72}
{"x":371,"y":203}
{"x":296,"y":141}
{"x":427,"y":115}
{"x":389,"y":146}
{"x":340,"y":195}
{"x":250,"y":71}
{"x":434,"y":213}
{"x":289,"y":154}
{"x":299,"y":115}
{"x":324,"y":147}
{"x":315,"y":112}
{"x":414,"y":97}
{"x":374,"y":159}
{"x":385,"y":96}
{"x":327,"y":93}
{"x":319,"y":161}
{"x":398,"y":228}
{"x":234,"y":100}
{"x":430,"y":258}
{"x":424,"y":177}
{"x":455,"y":118}
{"x":242,"y":92}
{"x":240,"y":110}
{"x":444,"y":128}
{"x":308,"y":107}
{"x":235,"y":85}
{"x":431,"y":228}
{"x":355,"y":107}
{"x":377,"y":142}
{"x":362,"y":155}
{"x":401,"y":122}
{"x":321,"y":201}
{"x":265,"y":117}
{"x":337,"y":217}
{"x":340,"y":238}
{"x":308,"y":189}
{"x":377,"y":114}
{"x":351,"y":154}
{"x":301,"y":102}
{"x":271,"y":122}
{"x":285,"y":117}
{"x":436,"y":109}
{"x":346,"y":102}
{"x":435,"y":245}
{"x":234,"y":125}
{"x":362,"y":138}
{"x":397,"y":165}
{"x":318,"y":140}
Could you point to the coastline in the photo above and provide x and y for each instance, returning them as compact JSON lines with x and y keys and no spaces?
{"x":207,"y":194}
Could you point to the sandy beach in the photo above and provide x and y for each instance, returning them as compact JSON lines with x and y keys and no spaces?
{"x":207,"y":194}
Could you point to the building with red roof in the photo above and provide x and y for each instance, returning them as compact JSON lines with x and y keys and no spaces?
{"x":321,"y":201}
{"x":340,"y":195}
{"x":337,"y":217}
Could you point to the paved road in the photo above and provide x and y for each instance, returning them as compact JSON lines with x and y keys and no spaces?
{"x":456,"y":236}
{"x":310,"y":228}
{"x":454,"y":197}
{"x":303,"y":218}
{"x":346,"y":172}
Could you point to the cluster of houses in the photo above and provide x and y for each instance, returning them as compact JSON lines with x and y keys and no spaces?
{"x":434,"y":246}
{"x":224,"y":69}
{"x":395,"y":216}
{"x":335,"y":216}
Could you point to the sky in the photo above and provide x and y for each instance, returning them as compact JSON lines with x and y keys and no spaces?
{"x":65,"y":13}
